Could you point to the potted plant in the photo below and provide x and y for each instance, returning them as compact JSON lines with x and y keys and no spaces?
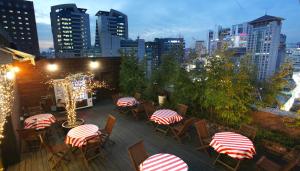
{"x":72,"y":94}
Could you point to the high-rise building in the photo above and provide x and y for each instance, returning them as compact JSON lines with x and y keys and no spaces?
{"x":18,"y":21}
{"x":218,"y":39}
{"x":239,"y":35}
{"x":263,"y":44}
{"x":210,"y":40}
{"x":163,"y":46}
{"x":70,"y":29}
{"x":151,"y":50}
{"x":281,"y":51}
{"x":137,"y":46}
{"x":200,"y":48}
{"x":111,"y":28}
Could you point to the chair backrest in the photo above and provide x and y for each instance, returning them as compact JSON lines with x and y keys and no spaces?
{"x":137,"y":154}
{"x":202,"y":130}
{"x":149,"y":108}
{"x":48,"y":147}
{"x":115,"y":98}
{"x":137,"y":96}
{"x":291,"y":164}
{"x":185,"y":126}
{"x":26,"y":134}
{"x":248,"y":131}
{"x":111,"y":120}
{"x":181,"y":109}
{"x":33,"y":110}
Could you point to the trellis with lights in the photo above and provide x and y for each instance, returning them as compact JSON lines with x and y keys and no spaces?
{"x":6,"y":94}
{"x":72,"y":93}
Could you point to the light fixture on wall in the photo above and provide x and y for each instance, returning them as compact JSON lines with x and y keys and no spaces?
{"x":94,"y":64}
{"x":52,"y":67}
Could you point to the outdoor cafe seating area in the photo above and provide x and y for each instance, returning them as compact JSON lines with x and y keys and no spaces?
{"x":129,"y":133}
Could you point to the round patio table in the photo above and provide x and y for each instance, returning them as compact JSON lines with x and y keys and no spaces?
{"x":78,"y":136}
{"x":127,"y":102}
{"x":165,"y":117}
{"x":163,"y":162}
{"x":39,"y":121}
{"x":234,"y":145}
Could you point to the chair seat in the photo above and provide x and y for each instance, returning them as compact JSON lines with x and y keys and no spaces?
{"x":59,"y":148}
{"x":267,"y":164}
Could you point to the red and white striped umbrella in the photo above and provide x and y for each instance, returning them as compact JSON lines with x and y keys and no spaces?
{"x":39,"y":121}
{"x":163,"y":162}
{"x":126,"y":101}
{"x":78,"y":136}
{"x":165,"y":117}
{"x":234,"y":145}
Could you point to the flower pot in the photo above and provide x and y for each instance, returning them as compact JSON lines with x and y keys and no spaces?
{"x":67,"y":127}
{"x":162,"y":100}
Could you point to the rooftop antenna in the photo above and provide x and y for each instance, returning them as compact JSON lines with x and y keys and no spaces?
{"x":266,"y":11}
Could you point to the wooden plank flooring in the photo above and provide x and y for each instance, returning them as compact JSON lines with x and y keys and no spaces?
{"x":127,"y":131}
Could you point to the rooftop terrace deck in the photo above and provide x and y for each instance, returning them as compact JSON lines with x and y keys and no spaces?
{"x":127,"y":131}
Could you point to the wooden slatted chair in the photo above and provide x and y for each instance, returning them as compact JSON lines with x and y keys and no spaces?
{"x":182,"y":109}
{"x":203,"y":135}
{"x":267,"y":165}
{"x":149,"y":109}
{"x":180,"y":130}
{"x":92,"y":149}
{"x":137,"y":111}
{"x":106,"y":132}
{"x":33,"y":110}
{"x":248,"y":131}
{"x":137,"y":154}
{"x":137,"y":96}
{"x":115,"y":98}
{"x":57,"y":153}
{"x":31,"y":138}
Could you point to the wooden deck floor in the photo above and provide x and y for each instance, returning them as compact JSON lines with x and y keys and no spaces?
{"x":126,"y":132}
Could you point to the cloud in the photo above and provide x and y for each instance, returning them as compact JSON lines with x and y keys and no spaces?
{"x":170,"y":18}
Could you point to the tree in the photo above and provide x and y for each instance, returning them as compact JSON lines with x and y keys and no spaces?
{"x":272,"y":87}
{"x":132,"y":74}
{"x":228,"y":88}
{"x":74,"y":85}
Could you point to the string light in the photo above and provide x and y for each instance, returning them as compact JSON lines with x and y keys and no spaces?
{"x":74,"y":85}
{"x":7,"y":81}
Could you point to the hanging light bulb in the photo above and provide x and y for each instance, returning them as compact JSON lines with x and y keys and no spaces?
{"x":94,"y":64}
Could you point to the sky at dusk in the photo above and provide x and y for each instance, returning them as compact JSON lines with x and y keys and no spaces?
{"x":190,"y":19}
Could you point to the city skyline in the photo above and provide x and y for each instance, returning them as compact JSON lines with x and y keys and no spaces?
{"x":189,"y":19}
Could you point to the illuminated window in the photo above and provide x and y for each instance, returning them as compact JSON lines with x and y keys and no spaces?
{"x":25,"y":12}
{"x":11,"y":11}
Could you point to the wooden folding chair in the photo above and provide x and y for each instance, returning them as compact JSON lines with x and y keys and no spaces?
{"x":180,"y":131}
{"x":248,"y":131}
{"x":33,"y":110}
{"x":137,"y":154}
{"x":182,"y":109}
{"x":137,"y":96}
{"x":149,"y":109}
{"x":31,"y":138}
{"x":106,"y":132}
{"x":267,"y":165}
{"x":203,"y":136}
{"x":92,"y":149}
{"x":115,"y":98}
{"x":57,"y":153}
{"x":137,"y":110}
